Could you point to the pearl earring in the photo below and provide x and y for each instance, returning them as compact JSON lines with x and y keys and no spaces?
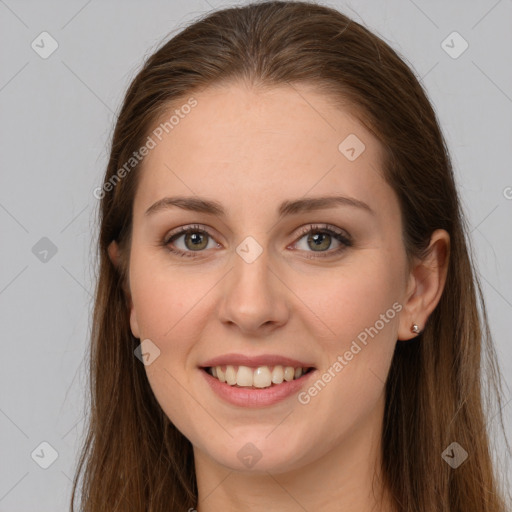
{"x":415,"y":329}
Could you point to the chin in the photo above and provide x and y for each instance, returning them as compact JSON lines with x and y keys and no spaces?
{"x":246,"y":456}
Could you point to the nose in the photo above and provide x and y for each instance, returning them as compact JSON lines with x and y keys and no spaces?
{"x":255,"y":298}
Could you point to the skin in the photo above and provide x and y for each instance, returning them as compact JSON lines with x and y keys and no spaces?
{"x":249,"y":150}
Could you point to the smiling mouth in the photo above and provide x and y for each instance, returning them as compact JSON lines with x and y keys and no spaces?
{"x":257,"y":377}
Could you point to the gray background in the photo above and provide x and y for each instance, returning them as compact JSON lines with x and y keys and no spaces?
{"x":57,"y":115}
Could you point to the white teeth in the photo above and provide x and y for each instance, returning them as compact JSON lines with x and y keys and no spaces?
{"x":277,"y":374}
{"x":230,"y":375}
{"x":289,"y":373}
{"x":260,"y":377}
{"x":244,"y":376}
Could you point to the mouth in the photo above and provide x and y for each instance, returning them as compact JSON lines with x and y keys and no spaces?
{"x":258,"y":377}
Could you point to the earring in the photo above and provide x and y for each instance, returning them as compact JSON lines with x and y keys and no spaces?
{"x":415,"y":329}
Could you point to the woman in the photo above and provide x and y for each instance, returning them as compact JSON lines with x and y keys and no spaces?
{"x":231,"y":366}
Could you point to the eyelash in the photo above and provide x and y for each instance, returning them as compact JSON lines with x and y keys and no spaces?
{"x":313,"y":228}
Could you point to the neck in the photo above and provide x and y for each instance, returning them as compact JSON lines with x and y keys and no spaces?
{"x":345,"y":479}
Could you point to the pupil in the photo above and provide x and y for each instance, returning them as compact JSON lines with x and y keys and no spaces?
{"x":196,"y":239}
{"x":320,"y":238}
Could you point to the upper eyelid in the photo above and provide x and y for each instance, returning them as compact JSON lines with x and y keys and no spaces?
{"x":317,"y":226}
{"x":184,"y":229}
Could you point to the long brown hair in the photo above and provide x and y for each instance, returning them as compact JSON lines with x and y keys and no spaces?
{"x":133,"y":458}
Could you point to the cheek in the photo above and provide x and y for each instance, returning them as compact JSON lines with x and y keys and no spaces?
{"x":356,"y":336}
{"x":166,"y":299}
{"x":359,"y":312}
{"x":353,"y":298}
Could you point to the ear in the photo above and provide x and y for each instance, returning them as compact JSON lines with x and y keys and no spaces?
{"x":113,"y":254}
{"x":134,"y":325}
{"x":425,"y":285}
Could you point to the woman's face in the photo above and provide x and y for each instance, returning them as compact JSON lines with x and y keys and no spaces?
{"x":253,"y":282}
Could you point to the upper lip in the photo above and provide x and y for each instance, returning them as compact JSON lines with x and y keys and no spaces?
{"x":261,"y":360}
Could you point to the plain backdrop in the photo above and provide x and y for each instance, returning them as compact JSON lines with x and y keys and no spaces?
{"x":57,"y":115}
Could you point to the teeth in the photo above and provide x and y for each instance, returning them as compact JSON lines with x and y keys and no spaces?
{"x":230,"y":375}
{"x":244,"y":376}
{"x":278,"y":374}
{"x":289,"y":373}
{"x":260,"y":377}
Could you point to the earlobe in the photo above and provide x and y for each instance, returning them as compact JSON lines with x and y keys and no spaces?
{"x":134,"y":325}
{"x":426,"y":285}
{"x":113,"y":253}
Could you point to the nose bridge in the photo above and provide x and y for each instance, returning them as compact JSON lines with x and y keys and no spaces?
{"x":253,"y":295}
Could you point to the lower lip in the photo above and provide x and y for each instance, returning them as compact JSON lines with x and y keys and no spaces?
{"x":256,"y":397}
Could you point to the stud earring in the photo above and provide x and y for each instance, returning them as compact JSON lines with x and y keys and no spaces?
{"x":415,"y":329}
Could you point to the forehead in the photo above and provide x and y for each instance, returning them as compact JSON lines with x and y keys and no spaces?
{"x":247,"y":148}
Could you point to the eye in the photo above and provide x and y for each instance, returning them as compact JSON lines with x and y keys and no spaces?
{"x":195,"y":240}
{"x":319,"y":238}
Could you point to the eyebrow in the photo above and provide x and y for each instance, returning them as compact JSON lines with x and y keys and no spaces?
{"x":289,"y":207}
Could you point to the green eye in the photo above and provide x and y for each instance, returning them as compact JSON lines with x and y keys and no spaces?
{"x":319,"y":240}
{"x":319,"y":237}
